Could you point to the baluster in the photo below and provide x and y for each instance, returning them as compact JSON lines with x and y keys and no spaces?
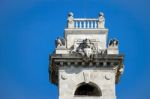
{"x":76,"y":24}
{"x":84,"y":24}
{"x":95,"y":24}
{"x":88,"y":24}
{"x":91,"y":24}
{"x":80,"y":25}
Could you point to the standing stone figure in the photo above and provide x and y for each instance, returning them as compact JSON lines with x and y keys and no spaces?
{"x":101,"y":20}
{"x":70,"y":20}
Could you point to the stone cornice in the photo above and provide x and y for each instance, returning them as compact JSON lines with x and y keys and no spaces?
{"x":104,"y":62}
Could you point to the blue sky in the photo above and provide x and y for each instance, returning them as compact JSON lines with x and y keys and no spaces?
{"x":28,"y":29}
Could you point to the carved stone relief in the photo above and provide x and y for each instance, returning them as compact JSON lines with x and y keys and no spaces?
{"x":85,"y":48}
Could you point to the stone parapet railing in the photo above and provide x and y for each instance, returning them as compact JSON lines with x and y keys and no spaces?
{"x":86,"y":23}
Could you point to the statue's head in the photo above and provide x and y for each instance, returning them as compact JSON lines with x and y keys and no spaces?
{"x":101,"y":14}
{"x":70,"y":14}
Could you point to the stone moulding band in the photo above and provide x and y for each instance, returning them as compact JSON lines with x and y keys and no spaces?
{"x":104,"y":62}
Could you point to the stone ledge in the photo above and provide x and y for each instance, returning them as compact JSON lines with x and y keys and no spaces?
{"x":111,"y":62}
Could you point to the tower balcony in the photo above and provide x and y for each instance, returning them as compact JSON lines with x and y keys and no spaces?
{"x":86,"y":23}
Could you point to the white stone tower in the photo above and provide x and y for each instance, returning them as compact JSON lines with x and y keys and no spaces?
{"x":83,"y":66}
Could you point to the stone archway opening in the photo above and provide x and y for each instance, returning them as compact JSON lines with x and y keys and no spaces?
{"x":88,"y":89}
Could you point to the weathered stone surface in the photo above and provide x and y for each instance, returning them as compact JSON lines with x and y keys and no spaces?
{"x":77,"y":75}
{"x":99,"y":36}
{"x":102,"y":62}
{"x":83,"y":66}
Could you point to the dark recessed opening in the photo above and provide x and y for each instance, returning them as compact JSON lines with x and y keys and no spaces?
{"x":108,"y":63}
{"x":101,"y":64}
{"x":88,"y":90}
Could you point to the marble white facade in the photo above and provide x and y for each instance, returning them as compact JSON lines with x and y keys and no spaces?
{"x":86,"y":38}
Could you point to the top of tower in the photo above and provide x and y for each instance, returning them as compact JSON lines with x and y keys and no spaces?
{"x":86,"y":23}
{"x":86,"y":36}
{"x":85,"y":44}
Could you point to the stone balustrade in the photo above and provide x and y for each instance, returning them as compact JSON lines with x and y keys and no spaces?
{"x":85,"y":23}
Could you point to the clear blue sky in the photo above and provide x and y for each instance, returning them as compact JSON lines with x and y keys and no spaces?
{"x":28,"y":29}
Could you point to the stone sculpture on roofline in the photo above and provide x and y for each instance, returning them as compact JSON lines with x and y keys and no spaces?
{"x":83,"y":65}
